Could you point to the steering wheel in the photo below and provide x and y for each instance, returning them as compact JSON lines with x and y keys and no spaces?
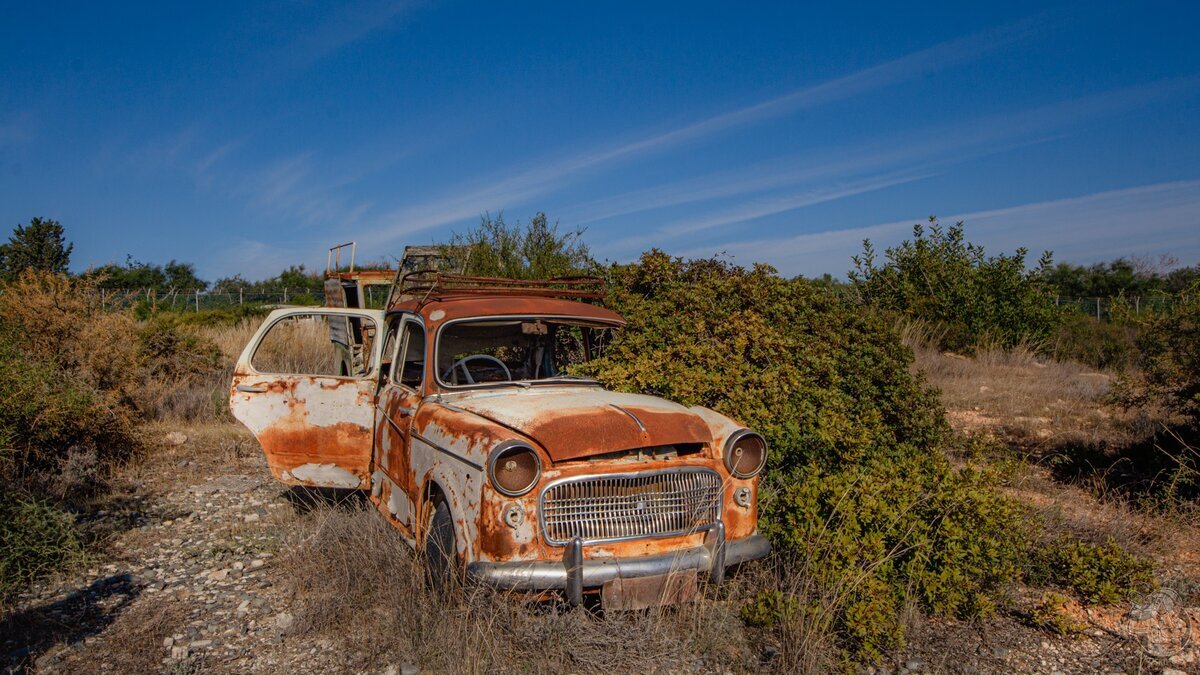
{"x":462,"y":365}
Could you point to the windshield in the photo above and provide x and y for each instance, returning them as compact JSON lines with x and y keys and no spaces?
{"x":483,"y":351}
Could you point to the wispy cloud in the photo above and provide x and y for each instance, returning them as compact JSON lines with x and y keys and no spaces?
{"x":1148,"y":219}
{"x":945,"y":144}
{"x":347,"y":24}
{"x":758,"y":209}
{"x":466,"y":201}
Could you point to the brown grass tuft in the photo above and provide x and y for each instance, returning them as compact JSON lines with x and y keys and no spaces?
{"x":355,"y":582}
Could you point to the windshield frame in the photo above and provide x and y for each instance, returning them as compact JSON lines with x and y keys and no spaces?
{"x":437,"y":347}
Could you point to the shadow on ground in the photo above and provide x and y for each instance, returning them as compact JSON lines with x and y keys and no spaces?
{"x":84,"y":613}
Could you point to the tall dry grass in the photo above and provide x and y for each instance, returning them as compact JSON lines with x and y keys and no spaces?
{"x":299,"y":345}
{"x":354,"y":581}
{"x":1018,"y":392}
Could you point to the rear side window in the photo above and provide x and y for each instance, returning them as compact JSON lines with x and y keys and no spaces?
{"x":411,"y":367}
{"x":316,"y":344}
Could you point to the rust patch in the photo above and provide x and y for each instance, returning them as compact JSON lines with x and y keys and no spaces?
{"x":640,"y":593}
{"x":341,"y":445}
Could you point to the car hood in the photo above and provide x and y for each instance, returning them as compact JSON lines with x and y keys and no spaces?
{"x":577,"y":422}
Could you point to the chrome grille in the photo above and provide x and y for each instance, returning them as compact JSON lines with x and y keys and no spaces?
{"x":627,"y":506}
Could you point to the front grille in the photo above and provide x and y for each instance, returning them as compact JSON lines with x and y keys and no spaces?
{"x":628,"y":506}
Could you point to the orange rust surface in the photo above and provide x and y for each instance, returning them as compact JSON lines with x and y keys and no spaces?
{"x":507,"y":305}
{"x":567,"y":436}
{"x":340,"y":445}
{"x":371,"y":277}
{"x":398,"y":464}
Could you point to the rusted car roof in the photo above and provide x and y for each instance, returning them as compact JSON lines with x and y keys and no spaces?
{"x":439,"y":310}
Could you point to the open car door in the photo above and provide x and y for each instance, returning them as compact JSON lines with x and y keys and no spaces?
{"x":305,"y":387}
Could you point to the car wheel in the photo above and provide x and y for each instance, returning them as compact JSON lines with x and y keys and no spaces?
{"x":441,"y":557}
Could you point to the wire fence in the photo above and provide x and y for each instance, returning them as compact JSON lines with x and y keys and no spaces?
{"x":1101,"y":308}
{"x":196,"y":300}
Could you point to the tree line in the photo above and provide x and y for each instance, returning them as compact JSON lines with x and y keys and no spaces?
{"x":42,"y":245}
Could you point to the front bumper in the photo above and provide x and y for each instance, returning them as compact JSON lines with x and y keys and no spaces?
{"x":572,"y":574}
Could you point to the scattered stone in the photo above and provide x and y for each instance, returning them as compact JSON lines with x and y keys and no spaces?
{"x":175,"y":438}
{"x":201,"y":644}
{"x":179,"y":652}
{"x":168,"y":642}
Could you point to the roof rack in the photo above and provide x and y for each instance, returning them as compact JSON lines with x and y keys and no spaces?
{"x":426,"y":284}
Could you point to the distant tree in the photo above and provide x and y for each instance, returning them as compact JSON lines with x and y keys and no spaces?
{"x":534,"y":250}
{"x":182,"y":276}
{"x":40,"y":246}
{"x":297,"y":276}
{"x":174,"y":275}
{"x":231,"y":284}
{"x":939,"y":277}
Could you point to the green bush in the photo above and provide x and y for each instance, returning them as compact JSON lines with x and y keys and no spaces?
{"x":1052,"y":615}
{"x":1100,"y":344}
{"x":770,"y":607}
{"x":220,"y":316}
{"x":939,"y":277}
{"x":44,"y":411}
{"x":858,"y":490}
{"x":1099,"y":573}
{"x":35,"y":538}
{"x":1170,"y":344}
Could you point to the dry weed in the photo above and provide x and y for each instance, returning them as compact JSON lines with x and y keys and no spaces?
{"x":1018,"y":394}
{"x":354,"y":581}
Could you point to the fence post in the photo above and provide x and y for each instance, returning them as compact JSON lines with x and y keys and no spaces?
{"x":1097,"y":309}
{"x":197,"y":299}
{"x":239,"y":296}
{"x":285,"y":295}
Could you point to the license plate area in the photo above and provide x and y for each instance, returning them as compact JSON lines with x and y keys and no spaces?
{"x":651,"y":591}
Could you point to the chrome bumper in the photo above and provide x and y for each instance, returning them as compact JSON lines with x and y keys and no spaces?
{"x":572,"y":574}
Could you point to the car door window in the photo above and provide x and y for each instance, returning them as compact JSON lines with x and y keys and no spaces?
{"x":316,"y":344}
{"x":409,"y":369}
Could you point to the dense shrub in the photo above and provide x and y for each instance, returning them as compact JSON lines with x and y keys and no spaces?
{"x":1098,"y":573}
{"x":938,"y":276}
{"x":74,"y":382}
{"x":533,"y":250}
{"x":1170,"y":345}
{"x":858,"y":489}
{"x":1169,"y":342}
{"x":1100,"y":344}
{"x":35,"y":538}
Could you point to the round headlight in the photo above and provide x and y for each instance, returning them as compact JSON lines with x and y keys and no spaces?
{"x":514,"y":468}
{"x":745,"y":453}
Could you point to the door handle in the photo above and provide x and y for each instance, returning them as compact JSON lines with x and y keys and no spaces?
{"x":250,"y":390}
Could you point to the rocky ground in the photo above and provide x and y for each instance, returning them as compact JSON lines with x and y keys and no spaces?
{"x":187,"y":581}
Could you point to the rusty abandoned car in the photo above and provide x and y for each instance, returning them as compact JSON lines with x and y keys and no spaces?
{"x":456,"y":409}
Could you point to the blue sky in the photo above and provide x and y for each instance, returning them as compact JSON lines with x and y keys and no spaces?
{"x":244,"y":137}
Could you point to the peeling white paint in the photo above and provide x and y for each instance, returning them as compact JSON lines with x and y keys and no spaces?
{"x":325,"y":475}
{"x":436,"y":315}
{"x":398,"y":504}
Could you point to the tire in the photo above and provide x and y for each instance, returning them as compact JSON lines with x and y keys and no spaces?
{"x":441,"y":555}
